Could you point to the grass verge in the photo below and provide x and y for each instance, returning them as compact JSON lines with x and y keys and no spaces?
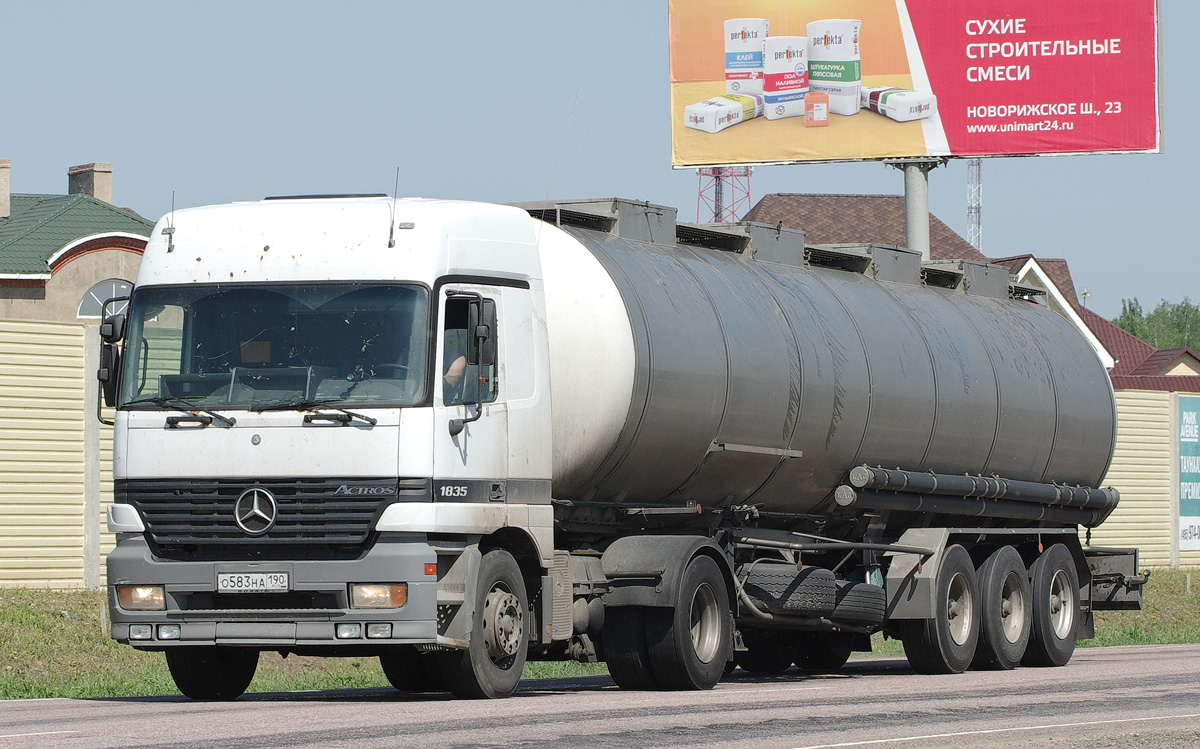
{"x":54,"y":646}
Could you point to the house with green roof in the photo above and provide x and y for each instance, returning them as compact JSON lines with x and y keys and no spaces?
{"x":61,"y":258}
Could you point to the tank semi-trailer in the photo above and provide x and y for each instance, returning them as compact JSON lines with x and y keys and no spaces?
{"x":460,"y":436}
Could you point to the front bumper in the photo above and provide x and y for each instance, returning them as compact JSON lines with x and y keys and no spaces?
{"x":305,"y":617}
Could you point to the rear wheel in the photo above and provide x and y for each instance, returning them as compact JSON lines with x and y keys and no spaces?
{"x":1004,"y":605}
{"x":624,"y":637}
{"x":491,"y":666}
{"x":767,"y":651}
{"x":689,"y":644}
{"x":946,"y":643}
{"x":212,"y":673}
{"x":1055,"y":591}
{"x":825,"y":651}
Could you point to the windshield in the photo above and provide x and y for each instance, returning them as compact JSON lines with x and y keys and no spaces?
{"x":276,"y":346}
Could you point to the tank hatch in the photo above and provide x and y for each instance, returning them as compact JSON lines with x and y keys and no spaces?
{"x":969,"y":276}
{"x":628,"y":219}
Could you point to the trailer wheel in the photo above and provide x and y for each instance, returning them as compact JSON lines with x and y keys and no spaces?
{"x":410,"y":671}
{"x":1004,"y":605}
{"x":491,"y":665}
{"x":624,"y":638}
{"x":1055,"y":585}
{"x":689,"y":643}
{"x":212,"y":673}
{"x":946,"y":643}
{"x":767,"y":651}
{"x":825,"y":651}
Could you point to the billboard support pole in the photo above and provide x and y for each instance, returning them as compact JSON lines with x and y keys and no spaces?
{"x":916,"y":201}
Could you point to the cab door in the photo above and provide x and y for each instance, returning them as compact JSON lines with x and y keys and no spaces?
{"x":470,"y":413}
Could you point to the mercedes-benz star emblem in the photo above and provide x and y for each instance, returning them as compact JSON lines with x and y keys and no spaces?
{"x":255,"y":511}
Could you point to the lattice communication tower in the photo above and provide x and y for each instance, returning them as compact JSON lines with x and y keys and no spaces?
{"x":975,"y":203}
{"x":724,"y":194}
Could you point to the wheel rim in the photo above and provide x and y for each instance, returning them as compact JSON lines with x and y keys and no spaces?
{"x":1012,"y":608}
{"x":1062,"y":605}
{"x":959,"y":609}
{"x":705,"y":623}
{"x":503,"y":624}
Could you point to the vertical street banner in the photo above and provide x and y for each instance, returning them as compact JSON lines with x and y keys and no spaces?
{"x":779,"y":81}
{"x":1189,"y":472}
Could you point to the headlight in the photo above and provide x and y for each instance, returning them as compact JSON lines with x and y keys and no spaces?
{"x":141,"y":597}
{"x":378,"y":595}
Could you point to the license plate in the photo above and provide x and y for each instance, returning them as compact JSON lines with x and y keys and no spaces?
{"x":252,"y":582}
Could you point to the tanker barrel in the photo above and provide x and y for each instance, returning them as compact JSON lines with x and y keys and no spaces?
{"x":866,"y":477}
{"x":848,"y":497}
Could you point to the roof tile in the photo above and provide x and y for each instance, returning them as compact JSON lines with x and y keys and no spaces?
{"x":41,"y":225}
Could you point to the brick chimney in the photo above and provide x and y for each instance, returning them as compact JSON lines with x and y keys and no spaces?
{"x":5,"y":188}
{"x":91,"y":179}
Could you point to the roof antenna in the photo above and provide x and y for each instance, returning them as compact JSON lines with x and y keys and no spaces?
{"x":170,"y":228}
{"x":392,"y":223}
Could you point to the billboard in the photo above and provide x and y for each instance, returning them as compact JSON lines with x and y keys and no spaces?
{"x":1189,"y":472}
{"x":776,"y":81}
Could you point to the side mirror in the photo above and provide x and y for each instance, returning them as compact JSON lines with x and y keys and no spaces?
{"x":481,"y":327}
{"x":110,"y":362}
{"x":112,"y":329}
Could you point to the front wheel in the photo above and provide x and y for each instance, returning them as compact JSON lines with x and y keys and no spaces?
{"x":689,"y":643}
{"x":410,"y":671}
{"x":491,"y":665}
{"x":212,"y":673}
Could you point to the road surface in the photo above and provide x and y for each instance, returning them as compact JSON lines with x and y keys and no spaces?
{"x":1106,"y":697}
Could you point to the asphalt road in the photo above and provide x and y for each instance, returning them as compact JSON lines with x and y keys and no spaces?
{"x":1109,"y":697}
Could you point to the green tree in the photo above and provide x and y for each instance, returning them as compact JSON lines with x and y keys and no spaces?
{"x":1169,"y":325}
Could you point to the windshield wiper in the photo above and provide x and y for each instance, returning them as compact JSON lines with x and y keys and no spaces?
{"x":186,"y":405}
{"x":342,"y":415}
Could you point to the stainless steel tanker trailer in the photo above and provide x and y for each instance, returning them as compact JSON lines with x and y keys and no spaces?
{"x":460,"y":436}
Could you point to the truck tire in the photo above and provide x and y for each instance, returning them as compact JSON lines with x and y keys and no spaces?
{"x":690,"y":642}
{"x":767,"y":651}
{"x":212,"y":673}
{"x":946,"y":643}
{"x":858,"y":603}
{"x":780,"y":588}
{"x":825,"y":651}
{"x":624,"y":640}
{"x":491,"y":665}
{"x":1054,"y":583}
{"x":409,"y":671}
{"x":1004,"y":610}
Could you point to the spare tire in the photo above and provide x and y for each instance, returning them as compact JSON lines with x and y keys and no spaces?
{"x":780,"y":588}
{"x":859,"y":603}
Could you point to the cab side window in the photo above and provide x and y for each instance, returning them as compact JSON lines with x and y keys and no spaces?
{"x":461,"y":380}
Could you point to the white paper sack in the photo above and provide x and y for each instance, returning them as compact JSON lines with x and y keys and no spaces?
{"x":899,"y":104}
{"x":785,"y":76}
{"x":743,"y":54}
{"x":834,"y":64}
{"x":716,"y":114}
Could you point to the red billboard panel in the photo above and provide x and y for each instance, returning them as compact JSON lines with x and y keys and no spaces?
{"x":770,"y":81}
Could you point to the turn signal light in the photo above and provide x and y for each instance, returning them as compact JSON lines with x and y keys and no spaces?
{"x":141,"y":597}
{"x":378,"y":596}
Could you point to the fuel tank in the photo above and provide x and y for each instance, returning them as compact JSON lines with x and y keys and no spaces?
{"x":763,"y":371}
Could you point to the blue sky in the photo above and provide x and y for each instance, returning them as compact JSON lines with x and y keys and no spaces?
{"x":506,"y":102}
